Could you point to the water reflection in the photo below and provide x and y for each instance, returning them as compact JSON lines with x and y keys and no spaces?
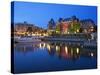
{"x":61,"y":50}
{"x":51,"y":56}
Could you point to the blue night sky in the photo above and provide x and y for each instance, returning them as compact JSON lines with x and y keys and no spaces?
{"x":40,"y":13}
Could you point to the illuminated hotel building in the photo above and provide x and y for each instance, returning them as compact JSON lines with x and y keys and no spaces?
{"x":64,"y":27}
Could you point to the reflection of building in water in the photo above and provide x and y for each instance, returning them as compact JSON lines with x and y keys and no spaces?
{"x":60,"y":50}
{"x":88,"y":52}
{"x":69,"y":52}
{"x":25,"y":47}
{"x":64,"y":52}
{"x":52,"y":49}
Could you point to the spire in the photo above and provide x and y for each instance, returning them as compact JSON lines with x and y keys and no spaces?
{"x":51,"y":24}
{"x":60,"y":19}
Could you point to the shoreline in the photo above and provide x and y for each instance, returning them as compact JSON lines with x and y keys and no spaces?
{"x":72,"y":41}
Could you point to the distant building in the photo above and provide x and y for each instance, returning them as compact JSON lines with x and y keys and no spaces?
{"x":75,"y":25}
{"x":71,"y":25}
{"x":26,"y":29}
{"x":22,"y":28}
{"x":87,"y":26}
{"x":51,"y":26}
{"x":64,"y":27}
{"x":68,"y":25}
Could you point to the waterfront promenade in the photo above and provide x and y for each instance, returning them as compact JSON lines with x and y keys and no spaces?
{"x":73,"y":40}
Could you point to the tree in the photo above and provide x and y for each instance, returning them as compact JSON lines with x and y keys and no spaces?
{"x":75,"y":27}
{"x":29,"y":29}
{"x":58,"y":29}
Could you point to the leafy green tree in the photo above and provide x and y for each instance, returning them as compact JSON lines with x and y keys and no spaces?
{"x":58,"y":29}
{"x":75,"y":27}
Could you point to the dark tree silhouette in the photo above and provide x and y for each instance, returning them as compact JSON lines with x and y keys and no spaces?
{"x":29,"y":29}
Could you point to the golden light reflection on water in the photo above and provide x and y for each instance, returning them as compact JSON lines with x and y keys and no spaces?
{"x":66,"y":49}
{"x":71,"y":51}
{"x":48,"y":47}
{"x":57,"y":48}
{"x":42,"y":45}
{"x":77,"y":50}
{"x":92,"y":54}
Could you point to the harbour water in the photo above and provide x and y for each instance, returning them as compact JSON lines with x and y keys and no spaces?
{"x":53,"y":56}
